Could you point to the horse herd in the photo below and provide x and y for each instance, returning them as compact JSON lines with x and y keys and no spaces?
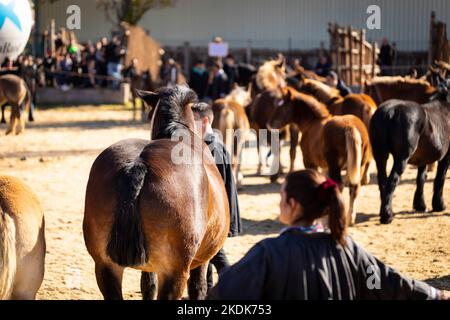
{"x":168,"y":220}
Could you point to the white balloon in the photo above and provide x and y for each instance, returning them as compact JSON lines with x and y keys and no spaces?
{"x":16,"y":21}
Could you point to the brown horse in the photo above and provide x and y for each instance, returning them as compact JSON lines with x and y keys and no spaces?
{"x":359,"y":105}
{"x":331,"y":143}
{"x":22,"y":241}
{"x":14,"y":92}
{"x":382,"y":89}
{"x":158,"y":206}
{"x":232,"y":122}
{"x":259,"y":113}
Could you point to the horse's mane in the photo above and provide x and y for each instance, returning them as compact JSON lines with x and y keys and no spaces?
{"x":398,"y":81}
{"x":269,"y":78}
{"x":317,"y":108}
{"x":169,"y":116}
{"x":321,"y":91}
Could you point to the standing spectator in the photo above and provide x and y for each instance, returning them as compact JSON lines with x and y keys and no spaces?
{"x":323,"y":67}
{"x":230,"y":69}
{"x":100,"y":63}
{"x":65,"y":67}
{"x":114,"y":54}
{"x":386,"y":58}
{"x":28,"y":73}
{"x":218,"y":82}
{"x":170,"y":73}
{"x":199,"y":79}
{"x":49,"y":65}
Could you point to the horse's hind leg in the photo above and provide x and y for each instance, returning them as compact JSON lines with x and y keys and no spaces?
{"x":419,"y":201}
{"x":171,"y":286}
{"x":198,"y":287}
{"x":293,"y":147}
{"x":109,"y":280}
{"x":386,"y":214}
{"x":439,"y":181}
{"x":149,"y":285}
{"x":12,"y":122}
{"x":3,"y":114}
{"x":354,"y":191}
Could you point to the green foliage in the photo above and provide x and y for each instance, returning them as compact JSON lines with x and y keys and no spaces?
{"x":130,"y":11}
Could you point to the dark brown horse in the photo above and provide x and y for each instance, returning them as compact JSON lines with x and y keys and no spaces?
{"x":142,"y":82}
{"x":260,"y":111}
{"x":14,"y":92}
{"x":383,"y":89}
{"x":158,"y":206}
{"x":331,"y":143}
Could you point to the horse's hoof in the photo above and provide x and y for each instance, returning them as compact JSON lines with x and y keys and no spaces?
{"x":438,"y":206}
{"x":420,"y":207}
{"x":3,"y":121}
{"x":386,"y":219}
{"x":274,"y":178}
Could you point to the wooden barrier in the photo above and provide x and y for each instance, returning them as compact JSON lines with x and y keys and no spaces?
{"x":354,"y":58}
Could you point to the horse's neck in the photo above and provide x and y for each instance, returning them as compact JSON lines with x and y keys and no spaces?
{"x":310,"y":114}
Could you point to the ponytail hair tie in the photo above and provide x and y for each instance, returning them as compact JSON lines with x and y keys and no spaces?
{"x":326,"y":188}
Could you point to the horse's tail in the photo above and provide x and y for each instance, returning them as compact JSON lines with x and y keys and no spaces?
{"x":226,"y":125}
{"x":354,"y":155}
{"x":127,"y":244}
{"x":7,"y":255}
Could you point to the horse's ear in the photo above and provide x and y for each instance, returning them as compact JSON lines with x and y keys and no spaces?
{"x":150,"y":98}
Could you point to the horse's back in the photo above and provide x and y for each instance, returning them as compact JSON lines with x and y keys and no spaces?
{"x":22,"y":246}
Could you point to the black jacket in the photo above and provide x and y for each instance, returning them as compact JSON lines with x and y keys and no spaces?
{"x":296,"y":266}
{"x":223,"y":163}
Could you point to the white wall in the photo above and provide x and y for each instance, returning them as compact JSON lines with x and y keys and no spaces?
{"x":269,"y":23}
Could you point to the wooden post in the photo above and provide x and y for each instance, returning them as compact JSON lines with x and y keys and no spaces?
{"x":374,"y":58}
{"x":350,"y":53}
{"x":432,"y":35}
{"x":248,"y":51}
{"x":337,"y":47}
{"x":52,"y":38}
{"x":187,"y":59}
{"x":362,"y":53}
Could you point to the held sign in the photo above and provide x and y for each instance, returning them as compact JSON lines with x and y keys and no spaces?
{"x":15,"y":27}
{"x":218,"y":49}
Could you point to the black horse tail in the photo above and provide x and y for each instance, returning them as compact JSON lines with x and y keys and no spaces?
{"x":127,"y":244}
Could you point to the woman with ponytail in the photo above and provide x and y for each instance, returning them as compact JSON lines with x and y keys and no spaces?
{"x":309,"y":262}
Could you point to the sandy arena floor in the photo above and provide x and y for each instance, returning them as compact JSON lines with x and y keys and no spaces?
{"x":54,"y":157}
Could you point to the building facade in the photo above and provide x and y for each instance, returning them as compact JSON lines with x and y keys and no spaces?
{"x":280,"y":24}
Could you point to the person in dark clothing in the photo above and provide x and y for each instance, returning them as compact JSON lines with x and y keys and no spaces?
{"x":199,"y":79}
{"x":113,"y":56}
{"x":218,"y":82}
{"x":386,"y":57}
{"x":307,"y":263}
{"x":323,"y":66}
{"x":203,"y":113}
{"x":334,"y":81}
{"x":230,"y":70}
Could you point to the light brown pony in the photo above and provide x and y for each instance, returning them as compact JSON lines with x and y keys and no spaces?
{"x":232,"y":122}
{"x":359,"y":105}
{"x":22,"y":241}
{"x":271,"y":76}
{"x":331,"y":143}
{"x":14,"y":92}
{"x":158,"y":206}
{"x":382,"y":89}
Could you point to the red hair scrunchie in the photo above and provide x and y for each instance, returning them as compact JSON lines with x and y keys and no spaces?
{"x":326,"y":188}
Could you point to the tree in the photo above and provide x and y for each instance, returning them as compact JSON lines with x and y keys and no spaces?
{"x":130,"y":11}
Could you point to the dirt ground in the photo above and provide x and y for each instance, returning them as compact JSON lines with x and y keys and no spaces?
{"x":54,"y":157}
